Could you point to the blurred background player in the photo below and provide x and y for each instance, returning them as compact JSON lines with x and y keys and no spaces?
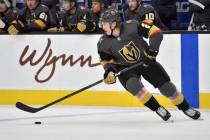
{"x":53,"y":6}
{"x":73,"y":18}
{"x":201,"y":15}
{"x":111,"y":2}
{"x":8,"y":19}
{"x":98,"y":6}
{"x":18,"y":5}
{"x":121,"y":46}
{"x":140,"y":12}
{"x":35,"y":16}
{"x":166,"y":10}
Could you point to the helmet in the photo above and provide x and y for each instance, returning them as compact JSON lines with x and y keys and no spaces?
{"x":110,"y":15}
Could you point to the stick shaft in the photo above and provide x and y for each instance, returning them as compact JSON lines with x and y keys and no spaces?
{"x":72,"y":94}
{"x":89,"y":86}
{"x":34,"y":110}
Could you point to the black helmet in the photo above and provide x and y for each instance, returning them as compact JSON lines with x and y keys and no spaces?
{"x":110,"y":15}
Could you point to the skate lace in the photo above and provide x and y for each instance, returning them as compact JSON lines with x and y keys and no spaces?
{"x":162,"y":111}
{"x":190,"y":112}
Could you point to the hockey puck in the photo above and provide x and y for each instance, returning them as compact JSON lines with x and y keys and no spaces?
{"x":38,"y":122}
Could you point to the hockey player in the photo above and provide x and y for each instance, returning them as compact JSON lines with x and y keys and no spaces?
{"x":201,"y":15}
{"x":8,"y":19}
{"x":53,"y":7}
{"x":35,"y":16}
{"x":140,"y":12}
{"x":98,"y":6}
{"x":121,"y":46}
{"x":76,"y":19}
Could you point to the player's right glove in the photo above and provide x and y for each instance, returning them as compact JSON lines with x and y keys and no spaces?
{"x":109,"y":76}
{"x":15,"y":27}
{"x":149,"y":56}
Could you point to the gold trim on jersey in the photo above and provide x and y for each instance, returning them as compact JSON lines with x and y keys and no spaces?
{"x":148,"y":21}
{"x":130,"y":52}
{"x":154,"y":29}
{"x":105,"y":62}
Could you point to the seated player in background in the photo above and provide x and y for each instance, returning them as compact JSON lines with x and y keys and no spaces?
{"x":122,"y":46}
{"x":201,"y":15}
{"x":8,"y":19}
{"x":98,"y":6}
{"x":75,"y":19}
{"x":140,"y":12}
{"x":167,"y":11}
{"x":36,"y":17}
{"x":53,"y":6}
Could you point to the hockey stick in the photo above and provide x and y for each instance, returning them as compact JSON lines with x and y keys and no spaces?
{"x":30,"y":109}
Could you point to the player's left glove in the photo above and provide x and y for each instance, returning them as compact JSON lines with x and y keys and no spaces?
{"x":109,"y":75}
{"x":149,"y":56}
{"x":110,"y":78}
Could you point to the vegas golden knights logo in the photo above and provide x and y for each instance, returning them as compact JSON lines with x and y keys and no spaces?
{"x":130,"y":52}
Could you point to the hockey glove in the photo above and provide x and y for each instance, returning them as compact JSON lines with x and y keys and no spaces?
{"x":15,"y":27}
{"x":109,"y":76}
{"x":149,"y":57}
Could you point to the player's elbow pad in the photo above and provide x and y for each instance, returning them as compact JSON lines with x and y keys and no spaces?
{"x":155,"y":40}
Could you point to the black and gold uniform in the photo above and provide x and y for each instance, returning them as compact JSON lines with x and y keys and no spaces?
{"x":95,"y":19}
{"x":9,"y":22}
{"x":98,"y":6}
{"x":129,"y":47}
{"x":125,"y":47}
{"x":145,"y":12}
{"x":79,"y":20}
{"x":37,"y":19}
{"x":201,"y":15}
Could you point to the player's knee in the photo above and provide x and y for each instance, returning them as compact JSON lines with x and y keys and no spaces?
{"x":134,"y":85}
{"x":168,"y":89}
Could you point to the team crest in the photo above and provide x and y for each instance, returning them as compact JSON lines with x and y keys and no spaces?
{"x":130,"y":53}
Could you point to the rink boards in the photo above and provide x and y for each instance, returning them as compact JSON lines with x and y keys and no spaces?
{"x":37,"y":69}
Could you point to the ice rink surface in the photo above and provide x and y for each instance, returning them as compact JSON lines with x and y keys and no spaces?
{"x":100,"y":123}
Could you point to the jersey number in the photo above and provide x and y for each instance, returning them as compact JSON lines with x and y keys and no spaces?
{"x":43,"y":16}
{"x":150,"y":16}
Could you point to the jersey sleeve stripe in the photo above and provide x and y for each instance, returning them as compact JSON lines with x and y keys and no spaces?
{"x":105,"y":62}
{"x":153,"y":30}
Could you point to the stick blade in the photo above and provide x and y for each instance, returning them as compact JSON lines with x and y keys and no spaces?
{"x":26,"y":108}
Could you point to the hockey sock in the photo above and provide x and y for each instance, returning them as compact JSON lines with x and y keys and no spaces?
{"x":183,"y":106}
{"x":147,"y":99}
{"x":152,"y":104}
